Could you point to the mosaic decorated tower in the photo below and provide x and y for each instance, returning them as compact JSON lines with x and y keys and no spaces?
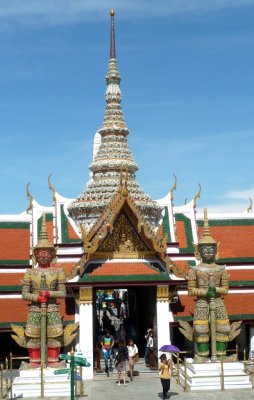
{"x":113,"y":157}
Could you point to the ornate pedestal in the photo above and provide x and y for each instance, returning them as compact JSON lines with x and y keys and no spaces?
{"x":28,"y":384}
{"x":208,"y":376}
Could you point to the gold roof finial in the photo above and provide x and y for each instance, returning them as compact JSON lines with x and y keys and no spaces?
{"x":43,"y":242}
{"x":112,"y":36}
{"x":30,"y":197}
{"x":51,"y":188}
{"x":250,"y":205}
{"x":197,"y":196}
{"x":206,"y":234}
{"x":173,"y":188}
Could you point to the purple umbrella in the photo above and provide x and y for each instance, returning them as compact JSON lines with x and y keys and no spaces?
{"x":169,"y":348}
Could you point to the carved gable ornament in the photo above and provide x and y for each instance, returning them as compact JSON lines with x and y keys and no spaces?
{"x":122,"y":232}
{"x":123,"y":242}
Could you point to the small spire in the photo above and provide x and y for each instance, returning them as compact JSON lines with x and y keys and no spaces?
{"x":43,"y":242}
{"x":112,"y":36}
{"x":207,"y":237}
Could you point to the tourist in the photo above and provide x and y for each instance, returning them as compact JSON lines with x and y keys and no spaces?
{"x":132,"y":354}
{"x":121,"y":335}
{"x":149,"y":346}
{"x":106,"y":321}
{"x":120,"y":363}
{"x":165,"y":374}
{"x":123,"y":314}
{"x":107,"y":345}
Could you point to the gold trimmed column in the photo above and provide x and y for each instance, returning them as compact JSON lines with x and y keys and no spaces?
{"x":162,"y":306}
{"x":86,"y":327}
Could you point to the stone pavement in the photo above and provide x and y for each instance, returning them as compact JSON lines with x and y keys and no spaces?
{"x":149,"y":388}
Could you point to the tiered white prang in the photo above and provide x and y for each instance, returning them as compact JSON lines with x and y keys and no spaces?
{"x":112,"y":160}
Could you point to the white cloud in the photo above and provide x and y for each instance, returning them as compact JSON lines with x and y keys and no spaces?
{"x":236,"y":202}
{"x":240,"y":194}
{"x":66,"y":11}
{"x":227,"y":208}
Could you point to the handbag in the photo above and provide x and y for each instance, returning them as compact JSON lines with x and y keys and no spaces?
{"x":136,"y":358}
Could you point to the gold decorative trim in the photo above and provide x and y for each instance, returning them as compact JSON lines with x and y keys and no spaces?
{"x":173,"y":188}
{"x":30,"y":198}
{"x":86,"y":295}
{"x":92,"y":240}
{"x":250,"y":205}
{"x":197,"y":196}
{"x":162,"y":293}
{"x":121,"y":255}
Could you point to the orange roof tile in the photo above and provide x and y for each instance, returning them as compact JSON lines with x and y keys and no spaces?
{"x":49,"y":227}
{"x":124,"y":268}
{"x":11,"y":279}
{"x":182,"y":266}
{"x":71,"y":233}
{"x":236,"y":304}
{"x":68,"y":266}
{"x":15,"y":310}
{"x":14,"y":244}
{"x":181,"y":234}
{"x":184,"y":307}
{"x":241,"y":303}
{"x":235,"y":241}
{"x":241,"y":275}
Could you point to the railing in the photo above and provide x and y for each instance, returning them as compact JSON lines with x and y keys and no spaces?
{"x":6,"y":378}
{"x":180,"y":365}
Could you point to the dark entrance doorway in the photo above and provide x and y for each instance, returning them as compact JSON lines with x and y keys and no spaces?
{"x":126,"y":312}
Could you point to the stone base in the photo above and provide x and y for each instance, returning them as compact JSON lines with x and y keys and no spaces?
{"x":28,"y":384}
{"x":207,"y":376}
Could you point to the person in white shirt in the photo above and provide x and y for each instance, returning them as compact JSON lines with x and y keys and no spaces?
{"x":149,"y":347}
{"x":133,"y":353}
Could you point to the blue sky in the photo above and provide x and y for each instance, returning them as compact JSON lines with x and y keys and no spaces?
{"x":188,"y":96}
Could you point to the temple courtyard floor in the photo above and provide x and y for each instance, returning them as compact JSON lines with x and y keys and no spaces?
{"x":149,"y":388}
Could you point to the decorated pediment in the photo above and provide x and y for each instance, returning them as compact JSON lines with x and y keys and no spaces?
{"x":122,"y":232}
{"x":123,"y":242}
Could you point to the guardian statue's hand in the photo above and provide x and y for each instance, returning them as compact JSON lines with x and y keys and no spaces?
{"x":42,"y":299}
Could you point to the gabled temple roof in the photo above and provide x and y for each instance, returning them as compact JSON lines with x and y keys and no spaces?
{"x":122,"y":201}
{"x":125,"y":271}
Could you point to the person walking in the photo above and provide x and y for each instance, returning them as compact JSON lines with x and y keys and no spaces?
{"x":120,"y":364}
{"x":132,"y":354}
{"x":107,"y":344}
{"x":165,"y":375}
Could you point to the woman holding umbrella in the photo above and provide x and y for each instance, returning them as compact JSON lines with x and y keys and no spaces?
{"x":165,"y":374}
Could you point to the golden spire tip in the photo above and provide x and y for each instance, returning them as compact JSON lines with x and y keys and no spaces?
{"x":112,"y":13}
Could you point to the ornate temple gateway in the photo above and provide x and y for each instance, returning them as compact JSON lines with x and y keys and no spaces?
{"x":117,"y":245}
